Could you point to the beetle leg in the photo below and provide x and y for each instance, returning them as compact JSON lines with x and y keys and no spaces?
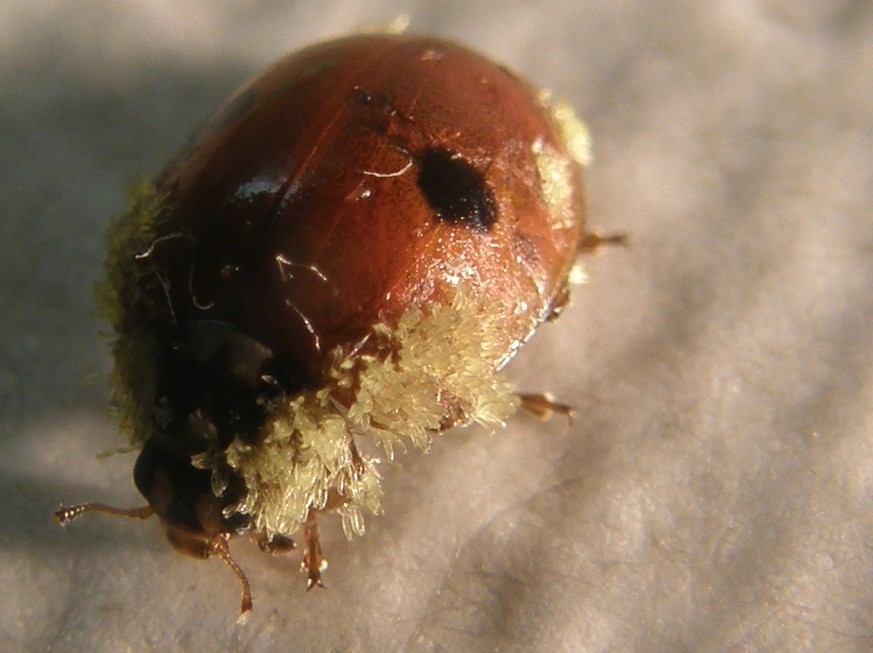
{"x":593,"y":242}
{"x":313,"y":562}
{"x":543,"y":405}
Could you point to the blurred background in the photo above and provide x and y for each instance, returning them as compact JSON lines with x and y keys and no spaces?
{"x":713,"y":491}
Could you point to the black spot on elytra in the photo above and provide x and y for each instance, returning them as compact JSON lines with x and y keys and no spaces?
{"x":456,"y":190}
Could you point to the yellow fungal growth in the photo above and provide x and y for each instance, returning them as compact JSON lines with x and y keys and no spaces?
{"x":125,"y":285}
{"x":436,"y":368}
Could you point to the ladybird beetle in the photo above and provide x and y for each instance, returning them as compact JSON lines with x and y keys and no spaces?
{"x":352,"y":248}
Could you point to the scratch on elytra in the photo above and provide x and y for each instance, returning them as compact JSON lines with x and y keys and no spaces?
{"x":165,"y":284}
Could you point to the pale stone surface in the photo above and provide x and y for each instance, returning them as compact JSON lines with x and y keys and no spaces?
{"x":713,"y":492}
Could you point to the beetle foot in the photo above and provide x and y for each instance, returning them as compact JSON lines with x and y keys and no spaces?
{"x":276,"y":544}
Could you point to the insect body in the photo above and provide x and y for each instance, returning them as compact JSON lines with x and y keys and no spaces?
{"x":353,"y":247}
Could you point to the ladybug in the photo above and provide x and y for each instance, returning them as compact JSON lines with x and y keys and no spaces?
{"x":351,"y":250}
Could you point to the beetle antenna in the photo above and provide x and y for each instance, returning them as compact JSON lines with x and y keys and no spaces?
{"x":65,"y":515}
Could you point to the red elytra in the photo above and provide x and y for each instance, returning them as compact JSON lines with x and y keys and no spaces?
{"x":355,"y":245}
{"x":304,"y":196}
